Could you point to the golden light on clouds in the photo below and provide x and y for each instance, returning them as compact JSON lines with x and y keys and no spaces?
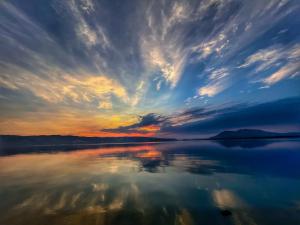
{"x":79,"y":123}
{"x":63,"y":87}
{"x":210,"y":90}
{"x":150,"y":128}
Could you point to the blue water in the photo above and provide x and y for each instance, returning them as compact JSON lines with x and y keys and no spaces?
{"x":203,"y":182}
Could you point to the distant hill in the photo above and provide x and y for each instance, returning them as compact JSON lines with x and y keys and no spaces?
{"x":252,"y":134}
{"x":15,"y":140}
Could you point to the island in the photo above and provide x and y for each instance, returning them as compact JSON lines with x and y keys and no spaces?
{"x":253,"y":134}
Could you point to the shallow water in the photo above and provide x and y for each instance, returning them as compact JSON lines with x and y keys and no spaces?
{"x":253,"y":182}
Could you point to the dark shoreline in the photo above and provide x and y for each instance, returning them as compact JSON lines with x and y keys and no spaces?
{"x":78,"y":142}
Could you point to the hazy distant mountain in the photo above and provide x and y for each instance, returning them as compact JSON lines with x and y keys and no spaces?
{"x":14,"y":140}
{"x":252,"y":133}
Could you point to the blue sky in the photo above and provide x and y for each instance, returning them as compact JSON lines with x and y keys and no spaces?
{"x":102,"y":68}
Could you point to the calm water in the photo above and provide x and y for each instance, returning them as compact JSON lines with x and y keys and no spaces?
{"x":168,"y":183}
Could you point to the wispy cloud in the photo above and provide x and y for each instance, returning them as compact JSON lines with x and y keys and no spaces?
{"x":284,"y":59}
{"x":60,"y":87}
{"x":265,"y":58}
{"x":290,"y":70}
{"x":211,"y":90}
{"x":104,"y":104}
{"x":89,"y":35}
{"x":130,"y":58}
{"x":217,"y":82}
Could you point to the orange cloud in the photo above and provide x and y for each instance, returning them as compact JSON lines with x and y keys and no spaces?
{"x":150,"y":128}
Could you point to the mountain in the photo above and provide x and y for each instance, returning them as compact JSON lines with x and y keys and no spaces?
{"x":252,"y":134}
{"x":43,"y":140}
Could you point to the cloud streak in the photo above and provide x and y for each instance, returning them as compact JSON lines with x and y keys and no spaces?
{"x":198,"y":121}
{"x":281,"y":113}
{"x":284,"y":59}
{"x":104,"y":58}
{"x":147,"y":123}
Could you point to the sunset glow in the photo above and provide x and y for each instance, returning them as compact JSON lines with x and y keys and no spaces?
{"x":105,"y":68}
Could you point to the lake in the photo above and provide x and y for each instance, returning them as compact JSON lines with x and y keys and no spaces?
{"x":182,"y":183}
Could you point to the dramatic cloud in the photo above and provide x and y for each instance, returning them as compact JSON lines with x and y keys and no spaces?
{"x":281,"y":113}
{"x":274,"y":114}
{"x":60,"y":87}
{"x":109,"y":59}
{"x":147,"y":123}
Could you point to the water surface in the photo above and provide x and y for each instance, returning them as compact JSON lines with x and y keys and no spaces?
{"x":255,"y":182}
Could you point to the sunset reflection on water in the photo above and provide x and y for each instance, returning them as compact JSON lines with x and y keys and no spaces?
{"x":166,"y":183}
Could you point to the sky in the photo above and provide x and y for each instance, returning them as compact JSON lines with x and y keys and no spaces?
{"x":180,"y":68}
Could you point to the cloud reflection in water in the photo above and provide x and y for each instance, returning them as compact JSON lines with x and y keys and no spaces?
{"x":168,"y":183}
